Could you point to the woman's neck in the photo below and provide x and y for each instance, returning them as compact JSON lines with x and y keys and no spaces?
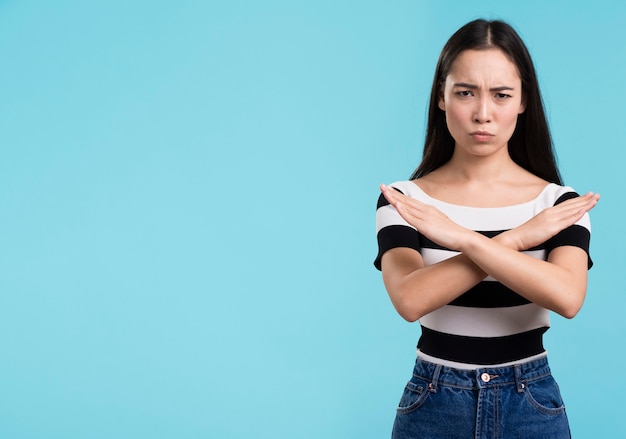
{"x":482,"y":182}
{"x":482,"y":169}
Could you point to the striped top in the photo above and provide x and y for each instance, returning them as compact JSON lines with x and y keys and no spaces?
{"x":489,"y":324}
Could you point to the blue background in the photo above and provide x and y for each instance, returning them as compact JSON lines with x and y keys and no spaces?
{"x":187,"y":196}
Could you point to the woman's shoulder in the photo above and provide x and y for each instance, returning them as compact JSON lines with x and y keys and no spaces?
{"x":405,"y":187}
{"x":554,"y":194}
{"x":408,"y":188}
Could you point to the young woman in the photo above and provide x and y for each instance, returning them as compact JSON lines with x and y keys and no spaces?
{"x":480,"y":245}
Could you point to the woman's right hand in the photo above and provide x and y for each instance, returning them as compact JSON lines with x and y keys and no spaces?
{"x":550,"y":221}
{"x":430,"y":221}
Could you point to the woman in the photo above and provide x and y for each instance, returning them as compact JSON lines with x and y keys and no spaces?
{"x":480,"y":245}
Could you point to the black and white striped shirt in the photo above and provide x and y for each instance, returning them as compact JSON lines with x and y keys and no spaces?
{"x":489,"y":324}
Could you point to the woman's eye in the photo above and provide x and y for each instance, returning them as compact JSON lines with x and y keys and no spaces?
{"x":502,"y":96}
{"x":464,"y":93}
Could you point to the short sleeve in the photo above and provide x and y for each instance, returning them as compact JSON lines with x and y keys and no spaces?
{"x":392,"y":230}
{"x":577,"y":235}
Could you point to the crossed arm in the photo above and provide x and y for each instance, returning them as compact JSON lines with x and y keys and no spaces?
{"x":416,"y":290}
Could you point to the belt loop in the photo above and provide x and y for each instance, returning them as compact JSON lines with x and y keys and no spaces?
{"x":519,"y":382}
{"x":432,"y":387}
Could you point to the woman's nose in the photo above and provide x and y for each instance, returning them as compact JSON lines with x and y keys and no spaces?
{"x":482,"y":112}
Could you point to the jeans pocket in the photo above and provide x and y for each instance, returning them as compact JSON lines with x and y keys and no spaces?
{"x":544,"y":396}
{"x":413,"y":397}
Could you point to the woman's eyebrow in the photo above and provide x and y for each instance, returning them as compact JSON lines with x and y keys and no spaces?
{"x":473,"y":86}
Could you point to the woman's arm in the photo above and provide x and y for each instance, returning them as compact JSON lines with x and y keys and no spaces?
{"x":558,"y":284}
{"x":416,"y":290}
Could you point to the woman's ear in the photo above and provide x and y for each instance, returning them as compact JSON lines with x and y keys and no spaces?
{"x":522,"y":105}
{"x":442,"y":102}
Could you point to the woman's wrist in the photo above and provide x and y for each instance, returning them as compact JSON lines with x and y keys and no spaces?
{"x":508,"y":239}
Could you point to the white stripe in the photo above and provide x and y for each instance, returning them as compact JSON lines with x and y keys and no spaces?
{"x":389,"y":216}
{"x":433,"y":256}
{"x":470,"y":366}
{"x":486,"y":322}
{"x":478,"y":218}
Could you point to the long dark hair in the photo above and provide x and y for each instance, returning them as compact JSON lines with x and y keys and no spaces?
{"x":530,"y":145}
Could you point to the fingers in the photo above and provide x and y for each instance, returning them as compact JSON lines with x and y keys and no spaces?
{"x":579,"y":205}
{"x":554,"y":219}
{"x":567,"y":213}
{"x":409,"y":208}
{"x":395,"y":197}
{"x":591,"y":200}
{"x":388,"y":192}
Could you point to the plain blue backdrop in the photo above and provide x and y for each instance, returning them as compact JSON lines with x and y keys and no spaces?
{"x":187,"y":197}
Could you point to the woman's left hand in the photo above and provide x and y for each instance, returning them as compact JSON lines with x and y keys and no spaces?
{"x":427,"y":219}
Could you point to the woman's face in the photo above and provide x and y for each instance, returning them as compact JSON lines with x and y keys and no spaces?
{"x":482,"y":98}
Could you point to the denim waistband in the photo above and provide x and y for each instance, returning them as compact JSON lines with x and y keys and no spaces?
{"x":483,"y":377}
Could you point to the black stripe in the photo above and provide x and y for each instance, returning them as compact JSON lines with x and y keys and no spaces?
{"x":427,"y":243}
{"x":575,"y":235}
{"x":490,"y":294}
{"x":396,"y":236}
{"x":382,"y":201}
{"x":566,"y":196}
{"x":481,"y":350}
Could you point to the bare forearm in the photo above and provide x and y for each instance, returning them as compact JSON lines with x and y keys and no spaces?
{"x":544,"y":283}
{"x":426,"y":289}
{"x":429,"y":288}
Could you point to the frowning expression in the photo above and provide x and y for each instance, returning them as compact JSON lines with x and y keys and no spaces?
{"x":482,"y":98}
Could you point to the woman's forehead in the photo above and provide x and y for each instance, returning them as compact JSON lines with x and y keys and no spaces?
{"x":483,"y":65}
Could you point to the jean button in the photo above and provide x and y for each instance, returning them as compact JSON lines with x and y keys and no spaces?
{"x":485,"y":377}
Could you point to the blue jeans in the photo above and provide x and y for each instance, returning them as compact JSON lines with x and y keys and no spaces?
{"x":521,"y":401}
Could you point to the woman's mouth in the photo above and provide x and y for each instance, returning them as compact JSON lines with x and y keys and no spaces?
{"x":482,"y":136}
